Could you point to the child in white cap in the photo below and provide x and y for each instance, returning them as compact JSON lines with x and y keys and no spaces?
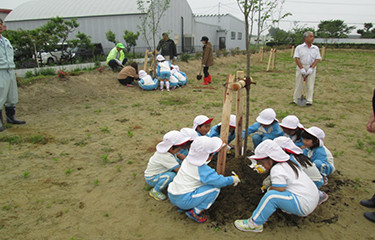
{"x":181,"y":76}
{"x":297,"y":156}
{"x":163,"y":71}
{"x":293,"y":129}
{"x":146,"y":82}
{"x":266,"y":127}
{"x":192,"y":134}
{"x":196,"y":186}
{"x":292,"y":190}
{"x":163,"y":165}
{"x":202,"y":124}
{"x":320,"y":155}
{"x":215,"y":130}
{"x":173,"y":80}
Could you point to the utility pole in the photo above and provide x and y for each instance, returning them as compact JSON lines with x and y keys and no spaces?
{"x":259,"y":23}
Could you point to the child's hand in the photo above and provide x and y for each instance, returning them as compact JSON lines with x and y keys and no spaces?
{"x":236,"y":180}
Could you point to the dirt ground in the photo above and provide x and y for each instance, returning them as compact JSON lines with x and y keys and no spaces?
{"x":75,"y":170}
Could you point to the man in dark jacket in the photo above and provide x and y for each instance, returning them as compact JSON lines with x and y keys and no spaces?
{"x":167,"y":47}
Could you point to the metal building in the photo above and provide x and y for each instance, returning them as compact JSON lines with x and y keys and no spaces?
{"x":96,"y":17}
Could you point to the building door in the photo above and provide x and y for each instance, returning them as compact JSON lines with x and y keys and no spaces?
{"x":222,"y":43}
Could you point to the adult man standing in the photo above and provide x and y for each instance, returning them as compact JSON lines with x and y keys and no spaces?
{"x":8,"y":81}
{"x":116,"y":58}
{"x":307,"y":57}
{"x":167,"y":47}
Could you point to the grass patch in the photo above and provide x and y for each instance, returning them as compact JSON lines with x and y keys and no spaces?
{"x":174,"y":100}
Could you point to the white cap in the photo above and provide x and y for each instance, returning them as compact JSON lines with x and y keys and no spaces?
{"x":291,"y":122}
{"x":189,"y":132}
{"x":172,"y":138}
{"x":201,"y":148}
{"x":269,"y":148}
{"x":142,"y":74}
{"x":288,"y":145}
{"x":201,"y":119}
{"x":160,"y":58}
{"x":232,"y":121}
{"x":318,"y":133}
{"x":267,"y":116}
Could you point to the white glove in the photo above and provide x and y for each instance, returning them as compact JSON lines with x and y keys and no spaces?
{"x":311,"y":70}
{"x":236,"y":180}
{"x":204,"y":65}
{"x":303,"y":71}
{"x":118,"y":62}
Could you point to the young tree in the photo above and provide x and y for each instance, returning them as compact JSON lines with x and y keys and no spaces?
{"x":368,"y":31}
{"x":111,"y":37}
{"x":333,"y":29}
{"x":130,"y":39}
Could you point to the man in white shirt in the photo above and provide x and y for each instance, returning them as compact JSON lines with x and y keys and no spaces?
{"x":307,"y":57}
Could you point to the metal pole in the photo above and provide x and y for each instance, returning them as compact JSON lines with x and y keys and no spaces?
{"x":182,"y":35}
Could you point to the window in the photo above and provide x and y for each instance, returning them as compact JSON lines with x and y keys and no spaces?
{"x":239,"y":36}
{"x":233,"y":36}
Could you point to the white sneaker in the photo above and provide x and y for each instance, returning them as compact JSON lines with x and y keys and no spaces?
{"x":247,"y":225}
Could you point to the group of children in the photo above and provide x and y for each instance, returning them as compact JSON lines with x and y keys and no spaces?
{"x":296,"y":159}
{"x":169,"y":75}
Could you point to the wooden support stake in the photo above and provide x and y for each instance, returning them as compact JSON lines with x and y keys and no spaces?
{"x":269,"y":60}
{"x":273,"y":58}
{"x":323,"y":52}
{"x":239,"y":116}
{"x":146,"y":59}
{"x":224,"y":132}
{"x":292,"y":52}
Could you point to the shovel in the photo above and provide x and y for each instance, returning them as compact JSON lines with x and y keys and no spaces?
{"x":199,"y":76}
{"x":301,"y":101}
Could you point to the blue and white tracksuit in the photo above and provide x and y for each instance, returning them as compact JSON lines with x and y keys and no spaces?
{"x":182,"y":78}
{"x":196,"y":187}
{"x":262,"y":133}
{"x":322,"y":158}
{"x":214,"y":132}
{"x":163,"y":70}
{"x":160,"y":170}
{"x":144,"y":86}
{"x":298,"y":143}
{"x":300,"y":197}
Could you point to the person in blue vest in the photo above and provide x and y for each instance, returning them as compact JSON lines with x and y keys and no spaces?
{"x":266,"y":127}
{"x":293,"y":129}
{"x":8,"y":81}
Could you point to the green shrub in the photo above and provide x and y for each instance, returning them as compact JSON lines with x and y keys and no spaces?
{"x":47,"y":72}
{"x":29,"y":74}
{"x":185,"y":57}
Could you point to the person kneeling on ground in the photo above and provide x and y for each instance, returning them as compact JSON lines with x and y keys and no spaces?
{"x":163,"y":165}
{"x":146,"y":82}
{"x":292,"y":190}
{"x":116,"y":58}
{"x":128,"y":74}
{"x":196,"y":185}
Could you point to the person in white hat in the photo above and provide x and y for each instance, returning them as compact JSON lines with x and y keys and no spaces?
{"x":293,"y":129}
{"x":196,"y":186}
{"x":173,"y":80}
{"x":313,"y":138}
{"x":163,"y":165}
{"x":202,"y":124}
{"x":163,"y":71}
{"x":146,"y":82}
{"x":215,"y":130}
{"x":266,"y":127}
{"x":297,"y":156}
{"x":181,"y":76}
{"x":292,"y":190}
{"x":192,"y":134}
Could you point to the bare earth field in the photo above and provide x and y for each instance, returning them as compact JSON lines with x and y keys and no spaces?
{"x":75,"y":170}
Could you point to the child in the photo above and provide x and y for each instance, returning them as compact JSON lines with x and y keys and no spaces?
{"x":266,"y":127}
{"x":192,"y":134}
{"x":196,"y":186}
{"x":293,"y":129}
{"x":163,"y":71}
{"x":146,"y":82}
{"x":163,"y":164}
{"x":181,"y":76}
{"x":313,"y":138}
{"x":202,"y":124}
{"x":215,"y":130}
{"x":173,"y":81}
{"x":292,"y":190}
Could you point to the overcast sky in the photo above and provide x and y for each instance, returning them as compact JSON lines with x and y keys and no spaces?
{"x":304,"y":12}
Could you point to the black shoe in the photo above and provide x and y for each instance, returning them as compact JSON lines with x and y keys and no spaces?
{"x":11,"y":118}
{"x":370,"y":216}
{"x":308,"y":104}
{"x":293,"y":103}
{"x":370,"y":203}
